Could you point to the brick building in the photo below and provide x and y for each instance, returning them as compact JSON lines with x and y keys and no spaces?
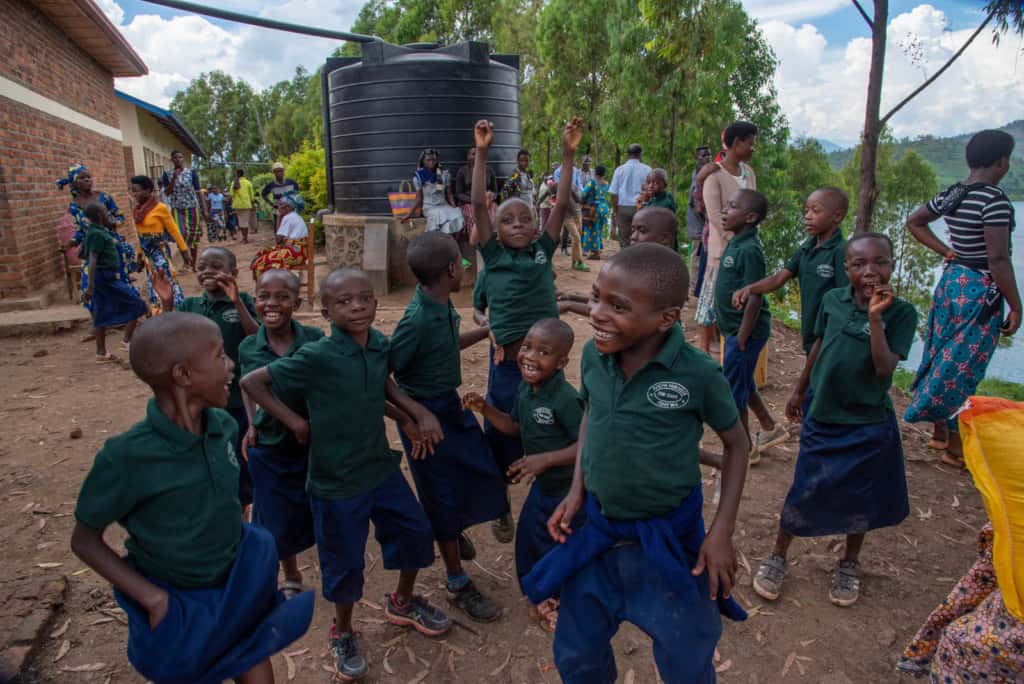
{"x":58,"y":60}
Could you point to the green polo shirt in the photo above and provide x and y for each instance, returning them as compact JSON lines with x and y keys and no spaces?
{"x":255,"y":352}
{"x":662,"y":199}
{"x":846,"y":389}
{"x":176,"y":494}
{"x":424,"y":349}
{"x":742,"y":264}
{"x":221,"y":311}
{"x":101,"y":242}
{"x":641,"y":453}
{"x":549,"y":419}
{"x":480,"y":291}
{"x":519,"y":287}
{"x":819,"y":268}
{"x":344,"y":388}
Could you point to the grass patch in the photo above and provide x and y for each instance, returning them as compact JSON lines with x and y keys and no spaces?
{"x":989,"y":387}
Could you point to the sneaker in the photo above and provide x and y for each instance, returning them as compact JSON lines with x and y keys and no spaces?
{"x":467,"y":551}
{"x":418,"y":614}
{"x":504,"y":529}
{"x":845,"y":584}
{"x":479,"y":607}
{"x":350,"y":664}
{"x":768,"y":580}
{"x":766,"y":440}
{"x":582,"y":267}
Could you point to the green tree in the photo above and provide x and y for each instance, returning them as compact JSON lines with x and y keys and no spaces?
{"x":295,"y":110}
{"x":219,"y":110}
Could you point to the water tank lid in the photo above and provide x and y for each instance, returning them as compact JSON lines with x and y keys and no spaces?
{"x":421,"y":46}
{"x":381,"y":52}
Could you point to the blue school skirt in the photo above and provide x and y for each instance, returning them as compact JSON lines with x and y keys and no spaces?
{"x":459,"y":484}
{"x":114,"y":302}
{"x":280,"y":502}
{"x":210,"y":635}
{"x":342,"y":526}
{"x":532,"y":538}
{"x":849,"y":479}
{"x":502,"y":386}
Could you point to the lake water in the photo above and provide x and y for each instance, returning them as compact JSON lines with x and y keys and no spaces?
{"x":1008,"y":362}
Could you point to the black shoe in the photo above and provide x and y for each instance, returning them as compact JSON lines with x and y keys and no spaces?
{"x":467,"y":551}
{"x":479,"y":607}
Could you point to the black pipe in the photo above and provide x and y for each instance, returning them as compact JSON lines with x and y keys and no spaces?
{"x":265,"y":23}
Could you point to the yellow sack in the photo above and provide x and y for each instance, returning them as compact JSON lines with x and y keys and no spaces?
{"x":993,"y":434}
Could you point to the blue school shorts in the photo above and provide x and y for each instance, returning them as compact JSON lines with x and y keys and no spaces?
{"x":459,"y":484}
{"x":213,"y":634}
{"x":341,"y":527}
{"x":738,"y":367}
{"x":244,"y":478}
{"x":619,"y":586}
{"x":280,"y":502}
{"x":502,"y":386}
{"x":532,"y":538}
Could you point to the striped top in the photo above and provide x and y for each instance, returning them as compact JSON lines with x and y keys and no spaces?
{"x":983,"y":206}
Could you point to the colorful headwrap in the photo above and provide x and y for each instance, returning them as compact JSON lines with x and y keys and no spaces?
{"x":294,"y":200}
{"x":74,"y":171}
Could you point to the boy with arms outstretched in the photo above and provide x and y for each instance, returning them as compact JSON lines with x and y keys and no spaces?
{"x":642,"y":555}
{"x":198,"y":586}
{"x":520,"y":289}
{"x":353,"y":475}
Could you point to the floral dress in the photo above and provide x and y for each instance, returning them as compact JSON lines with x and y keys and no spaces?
{"x":126,"y":251}
{"x":595,"y":193}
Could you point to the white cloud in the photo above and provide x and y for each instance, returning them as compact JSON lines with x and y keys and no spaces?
{"x":822,"y":89}
{"x":179,"y":49}
{"x":791,"y":10}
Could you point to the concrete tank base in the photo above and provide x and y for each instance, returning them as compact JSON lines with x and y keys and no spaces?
{"x":376,"y":245}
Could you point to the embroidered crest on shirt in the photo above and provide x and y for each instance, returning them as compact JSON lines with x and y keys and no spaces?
{"x":728,"y":262}
{"x":231,"y":454}
{"x":543,"y":416}
{"x":825,"y":270}
{"x":230,"y":316}
{"x":668,"y":395}
{"x":540,"y":258}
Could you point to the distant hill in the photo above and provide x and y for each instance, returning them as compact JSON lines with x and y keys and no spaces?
{"x":946,"y":155}
{"x":830,"y":146}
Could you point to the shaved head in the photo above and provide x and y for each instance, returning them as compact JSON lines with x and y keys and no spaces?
{"x":658,"y":269}
{"x":290,"y":280}
{"x":659,"y":220}
{"x":164,"y":341}
{"x":556,"y":332}
{"x":338,"y":276}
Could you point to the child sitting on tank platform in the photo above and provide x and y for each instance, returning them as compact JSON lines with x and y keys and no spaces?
{"x":198,"y":586}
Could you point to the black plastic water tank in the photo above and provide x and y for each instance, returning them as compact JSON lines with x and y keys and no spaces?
{"x":382,"y":110}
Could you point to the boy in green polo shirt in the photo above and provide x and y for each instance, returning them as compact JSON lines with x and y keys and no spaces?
{"x":277,"y":462}
{"x":746,"y":331}
{"x":519,"y":288}
{"x":642,"y":555}
{"x":235,"y":314}
{"x":354,"y":476}
{"x":460,"y":484}
{"x":199,"y":587}
{"x":657,"y":187}
{"x":546,"y":416}
{"x":819,"y":264}
{"x":850,"y":475}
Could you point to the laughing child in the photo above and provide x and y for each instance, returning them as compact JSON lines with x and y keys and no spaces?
{"x":546,"y":417}
{"x":277,"y":462}
{"x":642,"y":555}
{"x":199,"y":587}
{"x":850,"y":475}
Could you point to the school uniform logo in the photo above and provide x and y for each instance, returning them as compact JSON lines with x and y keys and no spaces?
{"x":668,"y":395}
{"x":540,"y":258}
{"x":825,"y":271}
{"x":543,"y":416}
{"x":728,"y":262}
{"x":230,"y":316}
{"x":232,"y":458}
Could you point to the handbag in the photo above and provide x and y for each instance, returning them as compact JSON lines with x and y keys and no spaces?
{"x":403,"y":200}
{"x":589,"y":214}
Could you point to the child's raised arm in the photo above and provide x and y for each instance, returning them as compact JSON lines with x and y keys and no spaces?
{"x":483,"y":136}
{"x":761,"y":287}
{"x":571,"y":137}
{"x":88,"y":544}
{"x":257,"y":385}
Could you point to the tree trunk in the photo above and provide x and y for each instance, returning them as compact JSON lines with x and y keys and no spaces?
{"x":868,"y":192}
{"x":672,"y":140}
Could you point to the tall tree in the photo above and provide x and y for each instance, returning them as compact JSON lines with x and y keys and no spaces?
{"x":219,"y":110}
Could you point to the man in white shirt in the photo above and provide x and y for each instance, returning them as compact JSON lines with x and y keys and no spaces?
{"x":627,"y":184}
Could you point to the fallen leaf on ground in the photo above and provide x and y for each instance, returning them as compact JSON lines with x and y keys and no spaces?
{"x":296,"y":654}
{"x":420,"y":677}
{"x":48,"y":566}
{"x":387,"y":665}
{"x":92,"y":667}
{"x":81,"y":571}
{"x":807,"y":643}
{"x":956,"y":502}
{"x":65,"y":646}
{"x":290,"y":665}
{"x":497,"y":671}
{"x":370,"y":604}
{"x":59,"y":632}
{"x":790,"y":659}
{"x":924,"y":515}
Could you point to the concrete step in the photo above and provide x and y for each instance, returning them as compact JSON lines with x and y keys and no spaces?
{"x":44,"y":321}
{"x":33,"y":303}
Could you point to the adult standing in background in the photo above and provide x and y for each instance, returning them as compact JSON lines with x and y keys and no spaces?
{"x":181,"y":187}
{"x":463,"y":188}
{"x":586,"y":173}
{"x":627,"y":184}
{"x":278,"y":188}
{"x":695,"y":217}
{"x":243,"y":202}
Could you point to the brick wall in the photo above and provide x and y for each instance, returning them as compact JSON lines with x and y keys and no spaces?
{"x":36,"y":148}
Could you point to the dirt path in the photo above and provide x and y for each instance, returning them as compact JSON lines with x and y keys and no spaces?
{"x":802,"y":637}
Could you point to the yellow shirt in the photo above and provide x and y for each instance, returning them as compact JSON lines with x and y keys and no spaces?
{"x":159,"y":221}
{"x":243,"y":197}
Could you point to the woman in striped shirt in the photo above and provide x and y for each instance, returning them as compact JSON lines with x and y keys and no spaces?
{"x":967,"y":314}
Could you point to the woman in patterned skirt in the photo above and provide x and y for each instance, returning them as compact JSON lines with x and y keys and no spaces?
{"x":289,"y":251}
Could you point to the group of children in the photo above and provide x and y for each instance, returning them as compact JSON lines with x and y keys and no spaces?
{"x":612,"y":528}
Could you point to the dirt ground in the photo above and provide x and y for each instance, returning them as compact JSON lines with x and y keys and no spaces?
{"x":52,"y":387}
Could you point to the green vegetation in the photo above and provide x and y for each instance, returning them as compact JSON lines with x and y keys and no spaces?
{"x":989,"y":387}
{"x":946,"y":158}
